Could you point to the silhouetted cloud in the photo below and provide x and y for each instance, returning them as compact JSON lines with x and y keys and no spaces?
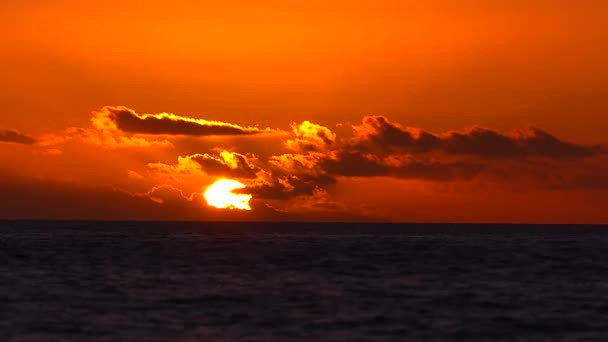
{"x":380,"y":135}
{"x":227,"y":164}
{"x":355,"y":164}
{"x":13,"y":136}
{"x":521,"y":143}
{"x":292,"y":175}
{"x":127,"y":120}
{"x":281,"y":186}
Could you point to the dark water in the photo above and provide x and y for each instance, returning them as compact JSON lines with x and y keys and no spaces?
{"x":234,"y":281}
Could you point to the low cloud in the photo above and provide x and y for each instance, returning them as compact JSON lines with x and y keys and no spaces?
{"x":531,"y":142}
{"x":356,"y":164}
{"x":13,"y":136}
{"x":380,"y":135}
{"x":293,"y":175}
{"x":111,"y":139}
{"x":127,"y":120}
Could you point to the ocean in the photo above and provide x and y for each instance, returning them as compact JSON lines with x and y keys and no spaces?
{"x":191,"y":281}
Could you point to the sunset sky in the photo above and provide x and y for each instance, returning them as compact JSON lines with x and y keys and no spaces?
{"x":430,"y":111}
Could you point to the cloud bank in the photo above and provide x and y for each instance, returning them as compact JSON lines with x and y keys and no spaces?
{"x":377,"y":133}
{"x":379,"y":147}
{"x":312,"y":163}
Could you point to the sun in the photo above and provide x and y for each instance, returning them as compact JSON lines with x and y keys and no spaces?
{"x":220,"y":195}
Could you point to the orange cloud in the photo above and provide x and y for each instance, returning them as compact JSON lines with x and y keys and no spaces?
{"x":106,"y":138}
{"x":111,"y":139}
{"x":227,"y":164}
{"x":310,"y":137}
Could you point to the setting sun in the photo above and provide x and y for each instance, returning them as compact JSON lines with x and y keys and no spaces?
{"x":220,"y":195}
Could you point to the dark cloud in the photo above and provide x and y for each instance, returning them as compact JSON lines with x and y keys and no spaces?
{"x":127,"y":120}
{"x":279,"y":186}
{"x":12,"y":136}
{"x":381,"y":148}
{"x":292,"y":175}
{"x":522,"y":143}
{"x":227,"y":164}
{"x":379,"y":135}
{"x":356,"y":164}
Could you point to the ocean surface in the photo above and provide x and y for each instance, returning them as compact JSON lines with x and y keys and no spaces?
{"x":147,"y":281}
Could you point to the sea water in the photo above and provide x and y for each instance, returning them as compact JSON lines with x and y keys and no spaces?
{"x":175,"y":281}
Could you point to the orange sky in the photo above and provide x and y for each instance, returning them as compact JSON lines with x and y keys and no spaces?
{"x":439,"y":66}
